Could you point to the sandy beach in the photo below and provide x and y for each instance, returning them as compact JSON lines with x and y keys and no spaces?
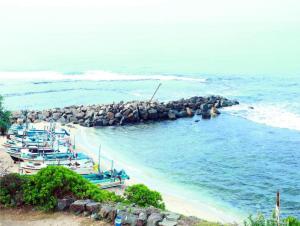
{"x":6,"y":163}
{"x":173,"y":202}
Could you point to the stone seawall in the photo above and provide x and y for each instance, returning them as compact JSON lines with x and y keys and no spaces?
{"x":127,"y":113}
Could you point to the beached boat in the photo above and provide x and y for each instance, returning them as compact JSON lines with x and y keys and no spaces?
{"x":36,"y":142}
{"x":108,"y":179}
{"x":80,"y":167}
{"x":16,"y":150}
{"x":56,"y":158}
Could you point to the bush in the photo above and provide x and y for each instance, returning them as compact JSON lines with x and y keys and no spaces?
{"x":292,"y":221}
{"x":4,"y":118}
{"x":143,"y":196}
{"x":54,"y":182}
{"x":260,"y":220}
{"x":12,"y":189}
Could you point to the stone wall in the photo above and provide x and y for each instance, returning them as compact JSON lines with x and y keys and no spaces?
{"x":129,"y":215}
{"x":127,"y":113}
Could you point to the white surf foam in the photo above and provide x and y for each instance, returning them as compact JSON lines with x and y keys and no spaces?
{"x":91,"y":76}
{"x":271,"y":115}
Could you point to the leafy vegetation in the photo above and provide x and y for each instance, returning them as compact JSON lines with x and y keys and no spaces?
{"x":208,"y":223}
{"x":4,"y":118}
{"x":291,"y":221}
{"x":143,"y":196}
{"x":49,"y":184}
{"x":261,"y":220}
{"x":12,"y":189}
{"x":54,"y":182}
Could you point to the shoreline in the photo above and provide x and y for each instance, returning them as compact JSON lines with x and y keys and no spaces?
{"x":173,"y":201}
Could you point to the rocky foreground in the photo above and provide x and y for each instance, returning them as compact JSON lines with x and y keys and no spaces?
{"x":127,"y":113}
{"x":125,"y":214}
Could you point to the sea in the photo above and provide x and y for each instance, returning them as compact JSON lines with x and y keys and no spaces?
{"x":57,"y":55}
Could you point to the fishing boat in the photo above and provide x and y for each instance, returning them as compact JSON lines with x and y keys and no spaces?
{"x":80,"y":167}
{"x":54,"y":158}
{"x":109,"y":178}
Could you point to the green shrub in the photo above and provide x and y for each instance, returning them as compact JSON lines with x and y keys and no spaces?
{"x":143,"y":196}
{"x":12,"y":189}
{"x":260,"y":220}
{"x":291,"y":221}
{"x":54,"y":182}
{"x":4,"y":118}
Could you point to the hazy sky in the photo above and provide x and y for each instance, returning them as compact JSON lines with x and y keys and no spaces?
{"x":230,"y":36}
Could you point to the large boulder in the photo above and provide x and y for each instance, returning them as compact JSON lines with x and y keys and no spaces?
{"x":98,"y":122}
{"x":110,"y":115}
{"x":154,"y":219}
{"x":80,"y":115}
{"x":105,"y":211}
{"x":105,"y":122}
{"x":142,"y":219}
{"x":129,"y":219}
{"x":101,"y":112}
{"x":206,"y":115}
{"x":95,"y":216}
{"x":93,"y":207}
{"x":172,"y":114}
{"x":167,"y":222}
{"x":204,"y":107}
{"x":89,"y":114}
{"x":64,"y":204}
{"x":79,"y":206}
{"x":46,"y":114}
{"x":189,"y":112}
{"x":181,"y":114}
{"x":62,"y":120}
{"x":126,"y":112}
{"x":172,"y":216}
{"x":56,"y":116}
{"x":118,"y":116}
{"x":152,"y":113}
{"x":144,"y":114}
{"x":171,"y":219}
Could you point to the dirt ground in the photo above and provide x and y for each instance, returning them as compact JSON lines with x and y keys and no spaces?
{"x":21,"y":217}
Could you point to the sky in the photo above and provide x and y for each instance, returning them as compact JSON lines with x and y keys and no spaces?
{"x":221,"y":34}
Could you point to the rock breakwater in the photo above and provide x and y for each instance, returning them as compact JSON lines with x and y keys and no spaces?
{"x":127,"y":113}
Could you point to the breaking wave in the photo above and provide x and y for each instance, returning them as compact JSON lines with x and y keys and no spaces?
{"x":44,"y":77}
{"x":271,"y":115}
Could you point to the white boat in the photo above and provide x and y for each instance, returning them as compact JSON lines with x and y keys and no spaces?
{"x":80,"y":167}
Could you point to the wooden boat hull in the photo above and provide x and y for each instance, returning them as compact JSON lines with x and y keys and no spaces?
{"x":26,"y":168}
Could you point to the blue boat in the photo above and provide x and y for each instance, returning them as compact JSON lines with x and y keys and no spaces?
{"x":109,"y":178}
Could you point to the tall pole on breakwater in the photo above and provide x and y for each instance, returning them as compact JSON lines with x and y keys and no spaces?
{"x":155,"y":93}
{"x":277,"y":210}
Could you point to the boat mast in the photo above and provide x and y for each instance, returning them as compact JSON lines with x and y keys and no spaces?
{"x":155,"y":92}
{"x":99,"y":159}
{"x":112,"y":168}
{"x":74,"y":144}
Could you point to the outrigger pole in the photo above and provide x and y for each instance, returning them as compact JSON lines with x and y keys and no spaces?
{"x":155,"y":92}
{"x":112,"y":168}
{"x":99,"y":159}
{"x":74,"y":144}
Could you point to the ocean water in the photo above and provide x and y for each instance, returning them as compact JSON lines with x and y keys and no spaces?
{"x":234,"y":162}
{"x":59,"y":53}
